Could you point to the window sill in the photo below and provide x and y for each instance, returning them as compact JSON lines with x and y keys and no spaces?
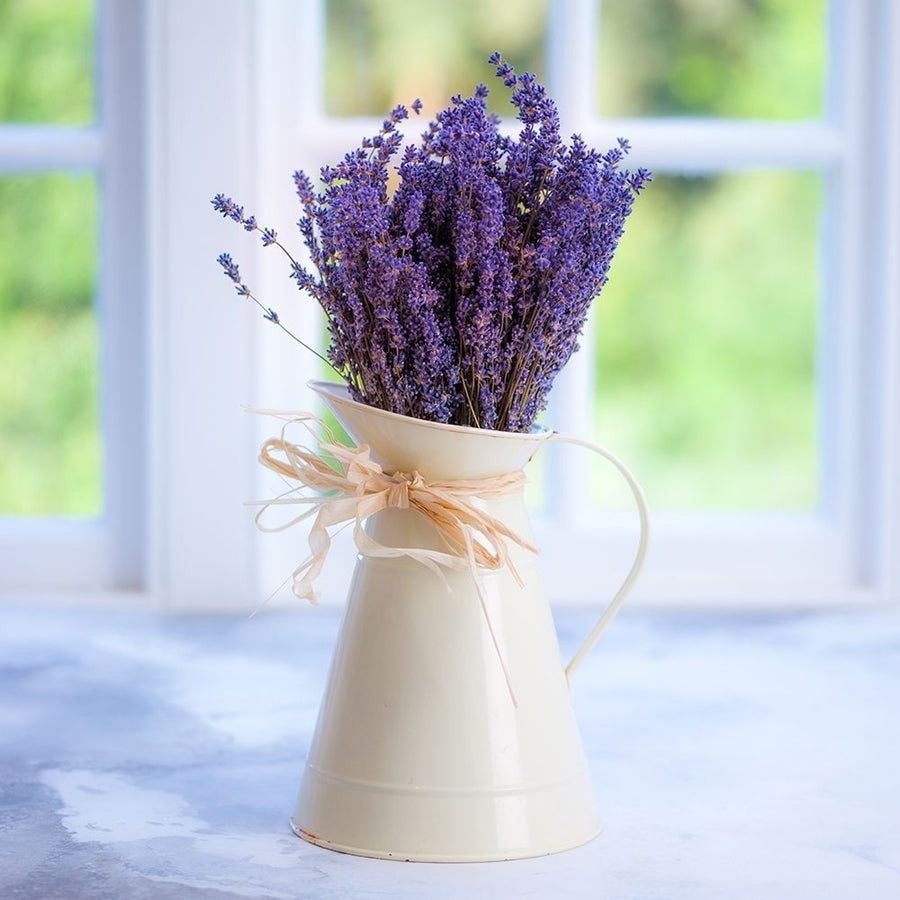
{"x":730,"y":753}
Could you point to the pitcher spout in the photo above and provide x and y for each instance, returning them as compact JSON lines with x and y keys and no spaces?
{"x":437,"y":451}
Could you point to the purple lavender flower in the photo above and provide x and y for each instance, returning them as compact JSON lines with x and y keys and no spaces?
{"x":230,"y":267}
{"x":461,"y":296}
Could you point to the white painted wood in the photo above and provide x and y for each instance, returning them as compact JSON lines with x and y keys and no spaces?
{"x":56,"y":553}
{"x":880,"y":301}
{"x":570,"y":54}
{"x":678,"y":146}
{"x":836,"y":554}
{"x":891,"y":292}
{"x":37,"y":148}
{"x":703,"y":146}
{"x":286,"y":114}
{"x":696,"y":559}
{"x":233,"y":106}
{"x":122,"y":297}
{"x":571,"y":38}
{"x":845,"y":400}
{"x":204,"y":83}
{"x":743,"y":559}
{"x":858,"y":343}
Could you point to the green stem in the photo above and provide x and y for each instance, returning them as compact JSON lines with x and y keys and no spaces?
{"x":291,"y":334}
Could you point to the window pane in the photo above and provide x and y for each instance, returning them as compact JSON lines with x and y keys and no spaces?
{"x":46,"y":61}
{"x":383,"y":52}
{"x":706,"y":342}
{"x":738,"y":58}
{"x":50,"y":446}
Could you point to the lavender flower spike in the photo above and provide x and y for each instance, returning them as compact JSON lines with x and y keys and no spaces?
{"x":230,"y":267}
{"x":460,"y":295}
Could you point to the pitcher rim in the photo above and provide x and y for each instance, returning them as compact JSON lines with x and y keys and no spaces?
{"x":322,"y":387}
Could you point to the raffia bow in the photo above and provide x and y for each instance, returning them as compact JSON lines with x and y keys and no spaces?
{"x":356,"y":487}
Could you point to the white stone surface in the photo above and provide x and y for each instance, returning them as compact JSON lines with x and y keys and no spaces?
{"x":733,"y":756}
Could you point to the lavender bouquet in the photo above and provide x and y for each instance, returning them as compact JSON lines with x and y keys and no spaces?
{"x":459,"y":296}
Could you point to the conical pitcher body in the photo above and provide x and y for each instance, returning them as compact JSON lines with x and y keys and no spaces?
{"x":446,"y":732}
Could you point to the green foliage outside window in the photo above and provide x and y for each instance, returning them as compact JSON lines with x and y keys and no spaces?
{"x":50,"y":448}
{"x":706,"y":333}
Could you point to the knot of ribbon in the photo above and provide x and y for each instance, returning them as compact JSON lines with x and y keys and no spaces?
{"x":348,"y":486}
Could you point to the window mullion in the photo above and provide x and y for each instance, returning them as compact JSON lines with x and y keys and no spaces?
{"x":865,"y":93}
{"x":571,"y":36}
{"x":887,"y":227}
{"x":701,"y":146}
{"x":121,"y":289}
{"x":833,"y":146}
{"x":291,"y":127}
{"x":844,"y":418}
{"x":570,"y":61}
{"x":201,"y":141}
{"x":54,"y":552}
{"x":33,"y":148}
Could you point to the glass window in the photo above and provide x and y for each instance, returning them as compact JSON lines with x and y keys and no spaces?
{"x":706,"y":335}
{"x":383,"y":52}
{"x":50,"y":463}
{"x":762,"y":59}
{"x":47,"y":61}
{"x":706,"y":339}
{"x":50,"y":438}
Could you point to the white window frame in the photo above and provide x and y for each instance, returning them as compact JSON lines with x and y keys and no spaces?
{"x":57,"y":553}
{"x":232,"y":104}
{"x":847,"y":551}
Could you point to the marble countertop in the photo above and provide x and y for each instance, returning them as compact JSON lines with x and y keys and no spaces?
{"x":733,"y":756}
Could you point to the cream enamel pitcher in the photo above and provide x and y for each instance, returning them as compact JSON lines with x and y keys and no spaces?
{"x":446,"y":732}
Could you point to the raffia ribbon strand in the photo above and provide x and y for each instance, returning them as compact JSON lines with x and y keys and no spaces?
{"x":359,"y":487}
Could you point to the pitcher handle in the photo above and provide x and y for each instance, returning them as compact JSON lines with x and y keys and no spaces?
{"x":644,"y":513}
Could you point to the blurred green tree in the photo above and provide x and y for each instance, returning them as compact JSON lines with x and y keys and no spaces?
{"x":759,"y":59}
{"x":50,"y":448}
{"x":383,"y":52}
{"x":707,"y":331}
